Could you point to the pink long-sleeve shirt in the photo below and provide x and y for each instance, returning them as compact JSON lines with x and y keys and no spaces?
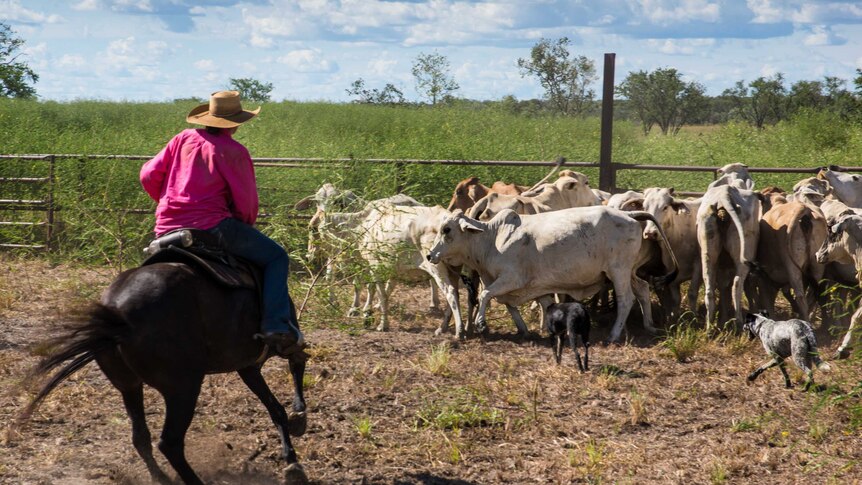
{"x":200,"y":179}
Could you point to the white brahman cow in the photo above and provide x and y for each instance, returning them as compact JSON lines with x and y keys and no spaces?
{"x":523,"y":258}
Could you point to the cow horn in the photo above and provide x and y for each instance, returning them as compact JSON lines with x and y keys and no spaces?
{"x":559,"y":163}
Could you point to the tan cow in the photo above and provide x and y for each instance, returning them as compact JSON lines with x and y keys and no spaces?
{"x":727,"y":223}
{"x":571,"y":251}
{"x":394,"y":241}
{"x":790,"y":235}
{"x":469,"y":191}
{"x":564,"y":193}
{"x":846,"y":187}
{"x":678,"y":219}
{"x":844,"y":245}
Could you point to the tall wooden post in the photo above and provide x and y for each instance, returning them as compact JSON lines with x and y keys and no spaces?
{"x":607,"y":175}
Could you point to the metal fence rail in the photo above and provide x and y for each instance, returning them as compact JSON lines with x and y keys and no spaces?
{"x":47,"y":184}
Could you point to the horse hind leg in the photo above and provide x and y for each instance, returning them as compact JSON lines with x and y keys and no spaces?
{"x":132,"y":389}
{"x":133,"y":399}
{"x":179,"y":411}
{"x":252,"y":378}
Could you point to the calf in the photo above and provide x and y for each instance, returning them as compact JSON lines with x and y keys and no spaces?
{"x":791,"y":338}
{"x":569,"y":319}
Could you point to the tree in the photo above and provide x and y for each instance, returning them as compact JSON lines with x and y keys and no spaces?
{"x":15,"y":75}
{"x":388,"y":95}
{"x":252,"y":89}
{"x":432,"y":76}
{"x":566,"y":79}
{"x":661,"y":97}
{"x":857,"y":82}
{"x":761,"y":101}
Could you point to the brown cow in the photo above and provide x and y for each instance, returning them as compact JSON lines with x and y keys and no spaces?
{"x":469,"y":191}
{"x":790,"y":235}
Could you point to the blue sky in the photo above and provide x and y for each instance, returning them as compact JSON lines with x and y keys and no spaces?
{"x":154,"y":50}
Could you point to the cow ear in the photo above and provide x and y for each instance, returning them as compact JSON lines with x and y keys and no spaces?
{"x":304,"y":203}
{"x":468,"y":225}
{"x":633,"y":205}
{"x":670,"y":191}
{"x":680,"y":208}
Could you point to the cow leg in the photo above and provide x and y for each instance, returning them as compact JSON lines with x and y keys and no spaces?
{"x":518,"y":319}
{"x":384,"y":306}
{"x":435,"y":298}
{"x":844,"y":349}
{"x":330,"y":280}
{"x":447,"y":280}
{"x":694,"y":288}
{"x":738,"y":282}
{"x":624,"y":299}
{"x":641,"y":292}
{"x":503,"y":285}
{"x":798,"y":287}
{"x":354,"y":305}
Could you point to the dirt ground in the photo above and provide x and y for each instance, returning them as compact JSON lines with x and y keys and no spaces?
{"x":406,"y":407}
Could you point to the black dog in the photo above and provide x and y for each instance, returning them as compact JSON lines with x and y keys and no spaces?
{"x":571,"y":318}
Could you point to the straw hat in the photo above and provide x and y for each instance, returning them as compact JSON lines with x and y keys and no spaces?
{"x":223,"y":111}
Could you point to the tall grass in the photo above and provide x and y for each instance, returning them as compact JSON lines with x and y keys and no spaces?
{"x":85,"y":189}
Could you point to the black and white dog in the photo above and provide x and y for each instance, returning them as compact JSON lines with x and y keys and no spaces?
{"x":792,"y":338}
{"x":569,"y":319}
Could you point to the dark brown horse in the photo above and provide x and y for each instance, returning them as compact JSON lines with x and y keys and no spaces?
{"x":168,"y":325}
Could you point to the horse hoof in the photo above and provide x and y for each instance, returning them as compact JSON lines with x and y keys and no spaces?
{"x":842,"y":354}
{"x":297,"y":422}
{"x":382,"y":328}
{"x":438,"y":332}
{"x":294,"y":474}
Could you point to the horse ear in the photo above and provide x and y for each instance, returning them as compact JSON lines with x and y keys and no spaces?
{"x":670,"y":191}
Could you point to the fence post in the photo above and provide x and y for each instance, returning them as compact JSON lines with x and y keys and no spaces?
{"x":607,"y":175}
{"x":49,"y":231}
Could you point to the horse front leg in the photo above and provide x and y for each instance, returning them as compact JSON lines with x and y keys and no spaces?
{"x":252,"y":378}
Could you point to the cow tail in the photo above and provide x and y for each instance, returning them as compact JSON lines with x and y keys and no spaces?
{"x":80,"y":346}
{"x":642,"y":216}
{"x":727,"y":204}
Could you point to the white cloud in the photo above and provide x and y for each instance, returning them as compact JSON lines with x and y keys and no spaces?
{"x":86,"y":5}
{"x":381,"y":67}
{"x":666,"y":12}
{"x":133,"y":5}
{"x":822,"y":35}
{"x":768,"y":70}
{"x":71,"y":62}
{"x":681,"y":46}
{"x":765,"y":11}
{"x":13,"y":11}
{"x":205,"y":65}
{"x":307,"y":60}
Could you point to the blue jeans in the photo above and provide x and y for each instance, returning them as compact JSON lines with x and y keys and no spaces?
{"x":252,"y":245}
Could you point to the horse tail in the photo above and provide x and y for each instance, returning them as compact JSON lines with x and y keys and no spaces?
{"x":102,"y":331}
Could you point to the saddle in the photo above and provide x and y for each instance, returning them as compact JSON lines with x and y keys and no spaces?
{"x":202,"y":250}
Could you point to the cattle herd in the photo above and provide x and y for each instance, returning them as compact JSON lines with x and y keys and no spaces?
{"x":560,"y":239}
